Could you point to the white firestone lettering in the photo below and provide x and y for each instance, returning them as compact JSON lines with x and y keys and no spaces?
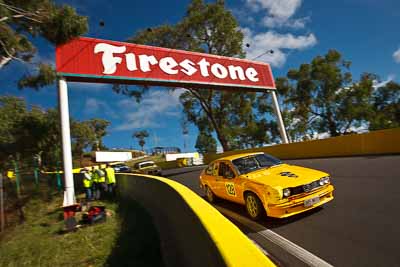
{"x":251,"y":74}
{"x":131,"y":61}
{"x":109,"y":61}
{"x":145,"y":62}
{"x":219,"y":71}
{"x":203,"y":67}
{"x":235,"y":72}
{"x":167,"y":65}
{"x":188,"y":67}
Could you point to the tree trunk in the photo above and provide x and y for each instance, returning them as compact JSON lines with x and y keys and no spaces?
{"x":208,"y":110}
{"x":332,"y":127}
{"x":222,"y":140}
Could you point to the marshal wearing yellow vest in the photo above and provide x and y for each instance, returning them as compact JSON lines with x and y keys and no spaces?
{"x":111,"y":181}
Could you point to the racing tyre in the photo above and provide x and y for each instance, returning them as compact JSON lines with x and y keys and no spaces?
{"x":210,"y":196}
{"x":254,"y":206}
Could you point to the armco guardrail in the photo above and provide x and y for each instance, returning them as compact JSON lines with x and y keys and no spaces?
{"x":191,"y":232}
{"x":372,"y":143}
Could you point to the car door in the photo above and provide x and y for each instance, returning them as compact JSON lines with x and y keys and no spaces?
{"x":226,"y":182}
{"x":210,"y":177}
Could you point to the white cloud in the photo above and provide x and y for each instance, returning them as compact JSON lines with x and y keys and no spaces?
{"x":279,"y":12}
{"x":147,"y":114}
{"x":377,"y":84}
{"x":396,"y":55}
{"x":93,"y":106}
{"x":261,"y":42}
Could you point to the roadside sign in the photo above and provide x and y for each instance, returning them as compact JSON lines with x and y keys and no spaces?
{"x":95,"y":60}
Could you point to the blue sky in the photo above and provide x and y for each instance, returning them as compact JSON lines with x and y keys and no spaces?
{"x":364,"y":31}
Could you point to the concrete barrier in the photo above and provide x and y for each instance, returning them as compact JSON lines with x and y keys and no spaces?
{"x":165,"y":165}
{"x":373,"y":143}
{"x":191,"y":232}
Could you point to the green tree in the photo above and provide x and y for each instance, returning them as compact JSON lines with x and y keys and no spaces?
{"x":322,"y":96}
{"x":385,"y":107}
{"x":140,"y":136}
{"x":210,"y":28}
{"x":99,"y":127}
{"x":82,"y":136}
{"x":205,"y":143}
{"x":21,"y":20}
{"x":25,"y":133}
{"x":51,"y":144}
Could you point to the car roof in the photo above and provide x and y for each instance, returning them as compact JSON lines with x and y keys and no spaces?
{"x":241,"y":155}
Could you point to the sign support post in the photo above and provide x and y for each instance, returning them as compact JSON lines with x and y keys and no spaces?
{"x":277,"y":110}
{"x":69,"y":193}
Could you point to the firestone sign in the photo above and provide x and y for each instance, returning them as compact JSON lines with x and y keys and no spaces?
{"x":95,"y":60}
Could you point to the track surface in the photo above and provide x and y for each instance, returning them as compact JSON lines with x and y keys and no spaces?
{"x":360,"y":227}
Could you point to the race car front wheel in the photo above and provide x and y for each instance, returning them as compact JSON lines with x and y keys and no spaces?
{"x":254,"y":206}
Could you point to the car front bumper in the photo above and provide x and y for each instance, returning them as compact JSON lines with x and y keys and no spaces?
{"x":297,"y":205}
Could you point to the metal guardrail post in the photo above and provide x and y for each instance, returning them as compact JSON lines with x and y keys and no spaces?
{"x":36,"y":174}
{"x":17,"y":178}
{"x":1,"y":204}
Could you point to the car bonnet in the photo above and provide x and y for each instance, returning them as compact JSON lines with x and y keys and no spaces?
{"x":285,"y":175}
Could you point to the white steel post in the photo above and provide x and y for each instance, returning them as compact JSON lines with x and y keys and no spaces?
{"x":69,"y":194}
{"x":277,"y":110}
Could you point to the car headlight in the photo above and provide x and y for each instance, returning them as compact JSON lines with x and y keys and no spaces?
{"x":286,"y":192}
{"x":324,"y":180}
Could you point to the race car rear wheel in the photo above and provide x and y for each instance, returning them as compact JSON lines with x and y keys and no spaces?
{"x":209,"y":195}
{"x":254,"y":206}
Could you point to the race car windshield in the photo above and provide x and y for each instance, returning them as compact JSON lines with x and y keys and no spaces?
{"x":255,"y":162}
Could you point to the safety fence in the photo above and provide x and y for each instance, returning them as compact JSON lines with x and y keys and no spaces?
{"x":372,"y":143}
{"x":20,"y":187}
{"x":190,"y":231}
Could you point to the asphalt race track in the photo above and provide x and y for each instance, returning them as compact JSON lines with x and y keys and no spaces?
{"x":360,"y":227}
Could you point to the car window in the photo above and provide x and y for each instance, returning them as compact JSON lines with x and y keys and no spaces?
{"x":266,"y":160}
{"x":254,"y":162}
{"x":209,"y":170}
{"x":225,"y":170}
{"x":215,"y":170}
{"x":246,"y":164}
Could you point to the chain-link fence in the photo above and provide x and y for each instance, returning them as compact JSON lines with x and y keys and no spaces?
{"x":20,"y":185}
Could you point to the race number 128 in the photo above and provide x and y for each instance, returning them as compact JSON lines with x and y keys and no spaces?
{"x":230,"y":189}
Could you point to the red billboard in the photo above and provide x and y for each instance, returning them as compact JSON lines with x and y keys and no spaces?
{"x":96,"y":60}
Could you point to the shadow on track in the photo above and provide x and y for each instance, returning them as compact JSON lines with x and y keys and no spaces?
{"x":267,"y":222}
{"x":138,"y":243}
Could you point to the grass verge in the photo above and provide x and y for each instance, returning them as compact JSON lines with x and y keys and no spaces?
{"x":39,"y":241}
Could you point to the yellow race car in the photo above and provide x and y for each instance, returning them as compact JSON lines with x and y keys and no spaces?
{"x":266,"y":185}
